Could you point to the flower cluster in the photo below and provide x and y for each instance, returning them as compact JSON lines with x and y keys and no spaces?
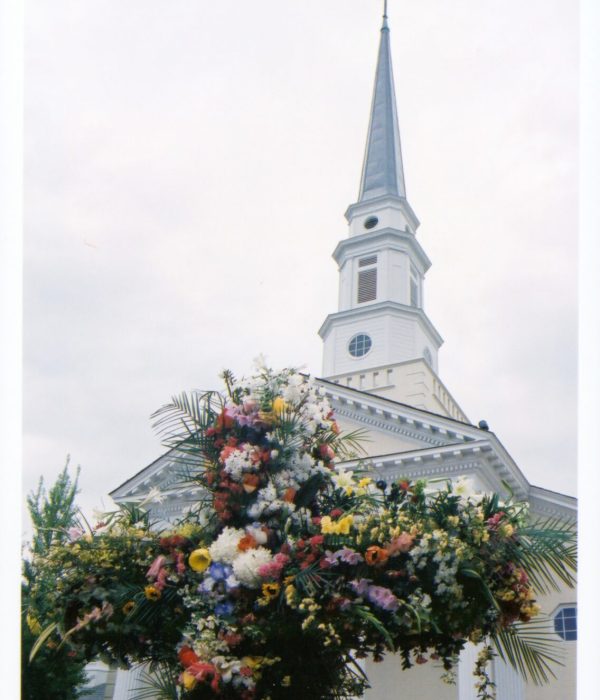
{"x":299,"y":566}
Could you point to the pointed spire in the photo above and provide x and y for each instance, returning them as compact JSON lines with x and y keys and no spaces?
{"x":382,"y":168}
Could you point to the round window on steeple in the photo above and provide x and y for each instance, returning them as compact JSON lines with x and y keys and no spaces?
{"x":371,"y":222}
{"x":360,"y":345}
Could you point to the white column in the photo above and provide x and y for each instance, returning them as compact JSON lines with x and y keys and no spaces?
{"x":466,"y":679}
{"x":128,"y":683}
{"x":509,"y":683}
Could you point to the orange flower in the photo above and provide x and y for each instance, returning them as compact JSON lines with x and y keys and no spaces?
{"x":247,"y":542}
{"x":250,"y":482}
{"x":289,"y":495}
{"x":376,"y":555}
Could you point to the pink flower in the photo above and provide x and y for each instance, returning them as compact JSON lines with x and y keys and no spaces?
{"x":156,"y":566}
{"x":401,"y":544}
{"x":180,"y":565}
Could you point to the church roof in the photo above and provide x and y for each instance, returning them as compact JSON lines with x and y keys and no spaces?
{"x":382,"y":172}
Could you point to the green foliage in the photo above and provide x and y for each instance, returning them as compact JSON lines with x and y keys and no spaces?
{"x":56,"y":672}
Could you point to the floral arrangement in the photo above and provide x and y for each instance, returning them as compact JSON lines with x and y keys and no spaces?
{"x":291,"y":569}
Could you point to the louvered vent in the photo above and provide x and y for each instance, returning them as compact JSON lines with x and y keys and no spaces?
{"x":367,"y":285}
{"x":371,"y":260}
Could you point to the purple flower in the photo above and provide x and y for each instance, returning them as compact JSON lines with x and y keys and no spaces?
{"x":331,"y":558}
{"x":382,"y":597}
{"x":349,"y":556}
{"x":361,"y":586}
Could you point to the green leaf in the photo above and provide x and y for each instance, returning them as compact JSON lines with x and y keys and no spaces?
{"x":368,"y":616}
{"x":39,"y":642}
{"x":471,"y":573}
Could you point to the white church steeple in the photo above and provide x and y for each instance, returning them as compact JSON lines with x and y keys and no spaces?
{"x":380,"y":329}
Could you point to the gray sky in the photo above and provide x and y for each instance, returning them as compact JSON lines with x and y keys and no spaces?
{"x":188,"y":164}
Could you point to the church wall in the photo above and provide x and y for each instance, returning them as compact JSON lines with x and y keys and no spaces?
{"x":376,"y":442}
{"x":390,"y":682}
{"x":563,"y":687}
{"x":337,"y":359}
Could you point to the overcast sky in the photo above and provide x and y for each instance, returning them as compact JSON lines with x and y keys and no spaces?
{"x":188,"y":164}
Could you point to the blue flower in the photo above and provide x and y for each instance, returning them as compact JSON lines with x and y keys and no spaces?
{"x":224,"y":608}
{"x":219,"y":572}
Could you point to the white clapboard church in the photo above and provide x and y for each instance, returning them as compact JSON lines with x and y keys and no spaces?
{"x":380,"y":369}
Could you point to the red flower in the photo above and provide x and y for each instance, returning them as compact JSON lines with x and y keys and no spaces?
{"x":187,"y":656}
{"x":316,"y":540}
{"x":336,"y":512}
{"x":326,"y":452}
{"x":205,"y":672}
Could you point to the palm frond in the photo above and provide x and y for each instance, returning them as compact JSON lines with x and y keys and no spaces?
{"x":350,"y":445}
{"x":547,"y":550}
{"x":531,"y":648}
{"x":183,"y":421}
{"x":159,"y":683}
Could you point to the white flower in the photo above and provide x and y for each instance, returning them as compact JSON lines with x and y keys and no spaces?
{"x":246,"y":566}
{"x":256,"y":531}
{"x":343,"y":479}
{"x":225,"y":547}
{"x":155,"y":495}
{"x":465,"y":488}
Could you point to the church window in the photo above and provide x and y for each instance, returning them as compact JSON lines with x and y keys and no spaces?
{"x":565,"y":623}
{"x":367,"y":279}
{"x":359,"y":345}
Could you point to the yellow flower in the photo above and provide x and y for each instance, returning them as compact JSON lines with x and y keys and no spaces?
{"x":290,"y":594}
{"x":128,"y":607}
{"x":286,"y":681}
{"x":270,"y":590}
{"x":199,"y":559}
{"x":340,"y":527}
{"x":326,"y":525}
{"x":252,"y":661}
{"x":344,"y":524}
{"x":363,"y":483}
{"x":506,"y":530}
{"x":152,"y":593}
{"x":279,"y":406}
{"x":189,"y":682}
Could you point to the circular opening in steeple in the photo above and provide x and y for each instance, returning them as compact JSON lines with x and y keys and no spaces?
{"x":359,"y":345}
{"x":371,"y":222}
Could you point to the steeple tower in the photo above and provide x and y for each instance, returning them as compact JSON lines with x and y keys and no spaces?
{"x":380,"y":335}
{"x":382,"y":171}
